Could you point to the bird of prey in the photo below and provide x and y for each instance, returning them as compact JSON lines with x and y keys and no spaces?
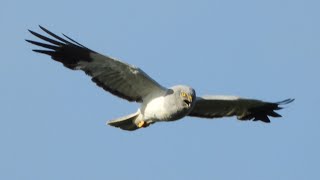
{"x":158,"y":103}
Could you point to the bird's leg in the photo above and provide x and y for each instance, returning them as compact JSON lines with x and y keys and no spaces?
{"x":142,"y":124}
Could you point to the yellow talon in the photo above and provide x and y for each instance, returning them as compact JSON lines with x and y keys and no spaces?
{"x":141,"y":124}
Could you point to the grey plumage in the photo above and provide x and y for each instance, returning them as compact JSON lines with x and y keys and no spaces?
{"x":157,"y":102}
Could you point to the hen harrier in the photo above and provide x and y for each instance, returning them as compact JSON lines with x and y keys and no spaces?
{"x":158,"y":104}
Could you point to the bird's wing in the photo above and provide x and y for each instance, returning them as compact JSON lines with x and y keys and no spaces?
{"x":119,"y":78}
{"x":244,"y":109}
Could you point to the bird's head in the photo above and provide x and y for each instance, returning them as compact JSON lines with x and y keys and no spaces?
{"x":186,"y":95}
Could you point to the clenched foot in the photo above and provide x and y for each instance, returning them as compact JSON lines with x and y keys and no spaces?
{"x":142,"y":124}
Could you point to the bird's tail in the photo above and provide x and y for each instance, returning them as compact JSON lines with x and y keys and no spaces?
{"x":126,"y":122}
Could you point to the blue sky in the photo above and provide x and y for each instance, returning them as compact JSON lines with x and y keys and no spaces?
{"x":53,"y":119}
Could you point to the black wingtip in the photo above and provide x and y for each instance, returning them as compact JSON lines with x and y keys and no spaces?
{"x":48,"y":46}
{"x":274,"y":114}
{"x":27,"y":40}
{"x":286,"y":101}
{"x":263,"y":118}
{"x":74,"y":41}
{"x":45,"y":30}
{"x":32,"y":32}
{"x":41,"y":27}
{"x":47,"y":52}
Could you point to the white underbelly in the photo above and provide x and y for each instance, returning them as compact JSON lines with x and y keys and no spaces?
{"x":154,"y":110}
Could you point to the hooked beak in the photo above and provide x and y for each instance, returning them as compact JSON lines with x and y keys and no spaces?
{"x":188,"y":101}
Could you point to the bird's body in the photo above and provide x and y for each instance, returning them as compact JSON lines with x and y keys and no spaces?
{"x":168,"y":106}
{"x":158,"y":103}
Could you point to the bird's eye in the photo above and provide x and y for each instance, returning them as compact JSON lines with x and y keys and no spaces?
{"x":183,"y":94}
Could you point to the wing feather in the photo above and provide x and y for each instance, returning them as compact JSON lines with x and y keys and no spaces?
{"x":119,"y":78}
{"x":244,"y":109}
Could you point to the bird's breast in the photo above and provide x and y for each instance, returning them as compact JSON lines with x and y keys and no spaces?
{"x":162,"y":109}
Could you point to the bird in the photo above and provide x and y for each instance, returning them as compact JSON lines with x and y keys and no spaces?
{"x":157,"y":103}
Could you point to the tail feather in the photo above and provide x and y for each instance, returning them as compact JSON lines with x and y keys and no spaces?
{"x":126,"y":122}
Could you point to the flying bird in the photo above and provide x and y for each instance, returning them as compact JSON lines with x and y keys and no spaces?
{"x":158,"y":103}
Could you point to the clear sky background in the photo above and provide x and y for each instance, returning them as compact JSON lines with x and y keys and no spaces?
{"x":53,"y":119}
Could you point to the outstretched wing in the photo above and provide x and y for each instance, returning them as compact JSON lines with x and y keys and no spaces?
{"x":244,"y":109}
{"x":119,"y":78}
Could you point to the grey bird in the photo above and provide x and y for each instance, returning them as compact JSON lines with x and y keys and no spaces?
{"x":158,"y":103}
